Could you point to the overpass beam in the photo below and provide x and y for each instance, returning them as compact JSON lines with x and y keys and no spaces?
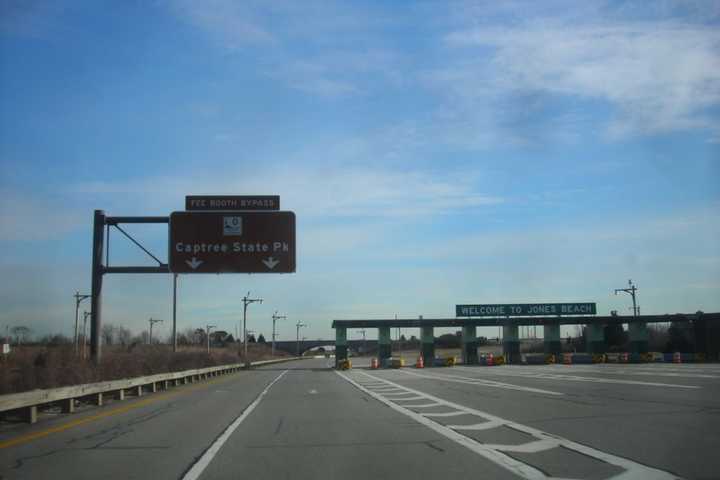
{"x":595,"y":338}
{"x":427,"y":339}
{"x":638,"y":333}
{"x":551,"y":339}
{"x":384,"y":344}
{"x":341,"y":345}
{"x":469,"y":345}
{"x":511,"y":342}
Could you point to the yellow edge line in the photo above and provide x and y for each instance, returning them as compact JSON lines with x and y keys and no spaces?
{"x":115,"y":411}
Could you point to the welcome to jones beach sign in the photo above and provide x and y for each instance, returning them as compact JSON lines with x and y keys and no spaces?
{"x":524,"y":309}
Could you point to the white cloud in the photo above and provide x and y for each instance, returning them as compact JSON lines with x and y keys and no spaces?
{"x":657,"y":77}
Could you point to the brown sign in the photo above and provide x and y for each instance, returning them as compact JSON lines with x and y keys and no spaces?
{"x":229,"y":242}
{"x":232,"y":202}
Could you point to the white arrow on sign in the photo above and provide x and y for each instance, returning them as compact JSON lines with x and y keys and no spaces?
{"x":194,"y":263}
{"x":271,"y":262}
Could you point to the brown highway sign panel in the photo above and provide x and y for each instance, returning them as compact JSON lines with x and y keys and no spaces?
{"x":232,"y":242}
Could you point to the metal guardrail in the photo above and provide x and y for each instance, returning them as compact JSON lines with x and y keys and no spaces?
{"x":28,"y":402}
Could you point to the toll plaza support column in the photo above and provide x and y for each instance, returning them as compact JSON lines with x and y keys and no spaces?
{"x":341,"y":349}
{"x":595,"y":338}
{"x":427,"y":337}
{"x":638,"y":333}
{"x":511,"y":343}
{"x":384,"y":345}
{"x":551,"y":337}
{"x":469,"y":345}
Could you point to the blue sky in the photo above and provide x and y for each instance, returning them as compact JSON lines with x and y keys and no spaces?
{"x":434,"y":152}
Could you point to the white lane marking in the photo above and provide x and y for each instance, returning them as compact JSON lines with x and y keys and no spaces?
{"x":632,"y":469}
{"x":476,"y":426}
{"x":424,"y":405}
{"x":530,"y":447}
{"x":483,"y":382}
{"x":494,"y":456}
{"x":443,"y":414}
{"x":507,"y":372}
{"x":313,"y":392}
{"x":199,"y":466}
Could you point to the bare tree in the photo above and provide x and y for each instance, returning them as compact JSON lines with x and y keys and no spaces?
{"x":21,"y":333}
{"x":123,"y":336}
{"x":108,"y":333}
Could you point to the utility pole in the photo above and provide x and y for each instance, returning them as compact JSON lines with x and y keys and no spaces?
{"x":84,"y":347}
{"x":247,"y":301}
{"x":364,"y":342}
{"x":297,"y":337}
{"x":207,"y":334}
{"x":174,"y":332}
{"x":275,"y":317}
{"x":78,"y":298}
{"x":631,"y":290}
{"x":152,"y":322}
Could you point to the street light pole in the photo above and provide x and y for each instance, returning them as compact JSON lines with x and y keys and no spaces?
{"x":247,"y":301}
{"x":207,"y":334}
{"x":631,"y":290}
{"x":152,"y":322}
{"x":78,"y":298}
{"x":275,"y":317}
{"x":297,"y":337}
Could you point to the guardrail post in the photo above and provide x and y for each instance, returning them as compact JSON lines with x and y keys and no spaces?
{"x":153,"y":386}
{"x":30,"y":414}
{"x":139,"y":391}
{"x":68,"y":405}
{"x":121,"y":394}
{"x":98,"y":399}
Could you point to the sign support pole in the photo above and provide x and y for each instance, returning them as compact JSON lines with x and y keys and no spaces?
{"x":96,"y":293}
{"x":174,"y":333}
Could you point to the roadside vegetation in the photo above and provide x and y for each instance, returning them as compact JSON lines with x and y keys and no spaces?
{"x":50,"y":361}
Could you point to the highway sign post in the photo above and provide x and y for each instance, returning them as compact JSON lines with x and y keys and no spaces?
{"x":525,"y":309}
{"x":232,"y":242}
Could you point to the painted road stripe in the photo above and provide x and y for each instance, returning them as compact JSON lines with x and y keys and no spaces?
{"x":494,"y":453}
{"x":197,"y":469}
{"x":507,"y":372}
{"x":482,"y":382}
{"x":505,"y":461}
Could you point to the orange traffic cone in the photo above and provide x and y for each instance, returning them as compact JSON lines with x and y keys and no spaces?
{"x":420,"y":362}
{"x":490,"y":360}
{"x":374,"y":363}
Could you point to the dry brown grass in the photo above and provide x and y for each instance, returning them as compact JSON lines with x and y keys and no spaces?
{"x":32,"y":367}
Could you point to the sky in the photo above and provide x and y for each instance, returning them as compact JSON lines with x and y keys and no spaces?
{"x":435,"y":153}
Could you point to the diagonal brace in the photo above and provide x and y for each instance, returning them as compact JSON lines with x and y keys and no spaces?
{"x":137,"y":243}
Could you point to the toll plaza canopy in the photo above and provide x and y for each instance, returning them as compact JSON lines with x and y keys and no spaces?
{"x":501,"y":321}
{"x":705,"y":330}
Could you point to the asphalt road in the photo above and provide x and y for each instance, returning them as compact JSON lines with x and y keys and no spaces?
{"x":302,"y":420}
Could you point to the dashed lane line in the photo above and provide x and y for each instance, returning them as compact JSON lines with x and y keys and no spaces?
{"x":197,"y":469}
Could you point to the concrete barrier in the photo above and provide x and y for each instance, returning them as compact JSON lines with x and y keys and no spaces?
{"x":28,"y":402}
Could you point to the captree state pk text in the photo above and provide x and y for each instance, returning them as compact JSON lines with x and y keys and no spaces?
{"x":234,"y":247}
